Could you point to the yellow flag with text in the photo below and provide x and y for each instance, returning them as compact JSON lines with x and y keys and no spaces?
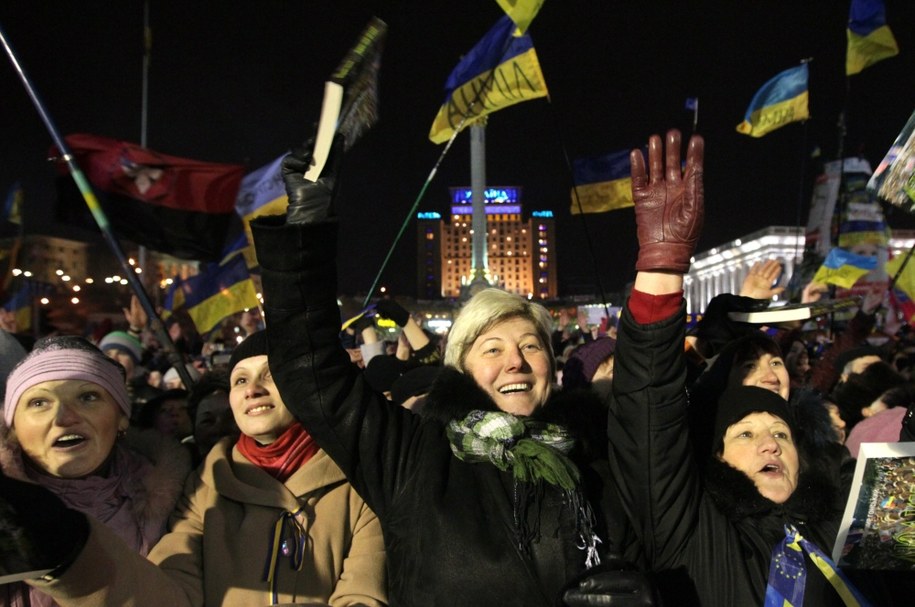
{"x":500,"y":71}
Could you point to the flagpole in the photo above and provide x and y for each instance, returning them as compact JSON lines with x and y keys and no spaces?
{"x":422,"y":192}
{"x":99,"y":215}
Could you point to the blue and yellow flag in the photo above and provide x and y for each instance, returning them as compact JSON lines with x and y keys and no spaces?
{"x":602,"y":183}
{"x":843,"y":268}
{"x":217,"y":292}
{"x":262,"y":192}
{"x":869,"y":37}
{"x":781,"y":100}
{"x":522,"y":12}
{"x":501,"y":70}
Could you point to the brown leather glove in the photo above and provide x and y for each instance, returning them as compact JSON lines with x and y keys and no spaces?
{"x":668,"y":204}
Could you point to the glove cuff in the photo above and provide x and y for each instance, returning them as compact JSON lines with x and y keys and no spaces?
{"x":665,"y":257}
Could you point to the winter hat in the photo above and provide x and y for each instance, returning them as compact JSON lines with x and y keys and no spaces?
{"x":382,"y":371}
{"x":122,"y":342}
{"x":584,"y":361}
{"x":739,"y":401}
{"x":716,"y":329}
{"x":64,"y":358}
{"x":253,"y":345}
{"x":11,"y":352}
{"x":414,"y":382}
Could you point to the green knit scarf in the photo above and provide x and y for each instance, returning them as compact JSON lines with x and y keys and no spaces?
{"x":533,"y":450}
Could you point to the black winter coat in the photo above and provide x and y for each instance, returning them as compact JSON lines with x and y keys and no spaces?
{"x":708,"y":536}
{"x":449,"y":530}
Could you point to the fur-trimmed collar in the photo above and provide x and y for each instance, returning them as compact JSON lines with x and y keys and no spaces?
{"x":737,"y":497}
{"x":455,"y":394}
{"x":155,"y":494}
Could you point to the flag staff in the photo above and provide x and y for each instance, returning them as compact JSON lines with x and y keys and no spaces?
{"x":100,"y":218}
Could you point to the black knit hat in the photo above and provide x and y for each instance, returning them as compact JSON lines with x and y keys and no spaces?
{"x":253,"y":345}
{"x":739,"y":401}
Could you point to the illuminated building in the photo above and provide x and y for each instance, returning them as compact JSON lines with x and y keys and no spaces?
{"x":520,"y":252}
{"x":723,"y":269}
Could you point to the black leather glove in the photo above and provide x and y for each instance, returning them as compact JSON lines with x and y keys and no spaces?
{"x":669,"y":207}
{"x":311,"y":201}
{"x":37,"y":531}
{"x":614,"y":583}
{"x":390,"y":309}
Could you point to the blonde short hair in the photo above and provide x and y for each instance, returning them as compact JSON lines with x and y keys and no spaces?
{"x":488,"y":308}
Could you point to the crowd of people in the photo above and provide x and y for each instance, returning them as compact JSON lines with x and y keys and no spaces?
{"x":519,"y":460}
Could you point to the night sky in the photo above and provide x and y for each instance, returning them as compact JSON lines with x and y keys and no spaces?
{"x":240,"y":82}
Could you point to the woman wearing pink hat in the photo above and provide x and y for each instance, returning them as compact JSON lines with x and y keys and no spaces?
{"x":65,"y":427}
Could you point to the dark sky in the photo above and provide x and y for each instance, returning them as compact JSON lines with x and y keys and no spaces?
{"x":240,"y":82}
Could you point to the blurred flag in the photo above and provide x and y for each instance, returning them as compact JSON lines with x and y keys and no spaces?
{"x":20,"y":305}
{"x":12,"y":208}
{"x":501,"y":70}
{"x":781,"y":100}
{"x":843,"y":268}
{"x":521,"y":12}
{"x":262,"y":192}
{"x":217,"y":292}
{"x":603,"y":183}
{"x":903,"y":293}
{"x":174,"y":205}
{"x":692,"y":103}
{"x":869,"y":37}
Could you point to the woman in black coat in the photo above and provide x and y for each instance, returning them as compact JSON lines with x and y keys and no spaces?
{"x":498,"y":493}
{"x":716,"y":537}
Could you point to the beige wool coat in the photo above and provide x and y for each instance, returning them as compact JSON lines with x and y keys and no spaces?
{"x":223,"y":544}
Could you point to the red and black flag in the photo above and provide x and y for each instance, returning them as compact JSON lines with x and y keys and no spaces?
{"x":175,"y":205}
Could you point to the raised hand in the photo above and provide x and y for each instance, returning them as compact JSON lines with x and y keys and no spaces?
{"x":758,"y":283}
{"x":311,"y":201}
{"x":669,"y":204}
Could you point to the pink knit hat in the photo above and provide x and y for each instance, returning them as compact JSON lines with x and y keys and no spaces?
{"x":59,"y":362}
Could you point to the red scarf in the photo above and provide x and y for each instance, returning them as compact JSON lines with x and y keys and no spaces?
{"x":283,"y":456}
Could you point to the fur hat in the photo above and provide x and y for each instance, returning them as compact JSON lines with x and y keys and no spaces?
{"x":253,"y":345}
{"x":849,"y":355}
{"x":739,"y":401}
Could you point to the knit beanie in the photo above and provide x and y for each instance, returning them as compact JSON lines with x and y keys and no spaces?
{"x":65,"y":358}
{"x":253,"y":345}
{"x":122,"y":342}
{"x":584,"y":361}
{"x":739,"y":401}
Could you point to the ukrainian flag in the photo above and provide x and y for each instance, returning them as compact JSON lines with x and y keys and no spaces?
{"x":843,"y":268}
{"x":217,"y":292}
{"x":522,"y":12}
{"x":869,"y":37}
{"x":501,"y":70}
{"x":781,"y":100}
{"x":262,"y":192}
{"x":602,"y":183}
